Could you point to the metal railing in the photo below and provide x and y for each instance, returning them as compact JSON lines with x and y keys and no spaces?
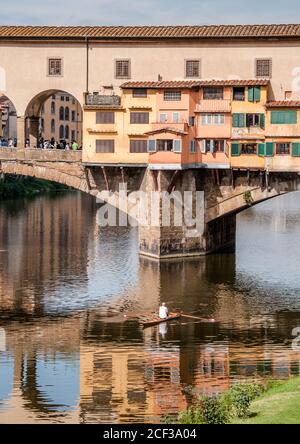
{"x":102,"y":100}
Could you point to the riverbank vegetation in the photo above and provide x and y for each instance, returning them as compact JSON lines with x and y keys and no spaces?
{"x":20,"y":186}
{"x":269,"y":402}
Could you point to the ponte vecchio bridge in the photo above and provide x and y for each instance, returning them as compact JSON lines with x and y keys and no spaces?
{"x":161,"y":66}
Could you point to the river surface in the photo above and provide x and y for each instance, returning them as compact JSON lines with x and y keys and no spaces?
{"x":66,"y":352}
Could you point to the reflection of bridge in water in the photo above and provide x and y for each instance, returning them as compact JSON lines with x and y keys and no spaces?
{"x":55,"y":371}
{"x":108,"y":369}
{"x":225,"y":195}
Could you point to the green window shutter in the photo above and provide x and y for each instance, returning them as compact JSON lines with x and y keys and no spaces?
{"x":235,"y":120}
{"x":293,"y":117}
{"x":235,"y":149}
{"x":284,"y":117}
{"x":296,"y":149}
{"x":269,"y":149}
{"x":250,"y":94}
{"x":261,"y":149}
{"x":275,"y":117}
{"x":241,"y":120}
{"x":238,"y":120}
{"x":262,"y":121}
{"x":256,"y":94}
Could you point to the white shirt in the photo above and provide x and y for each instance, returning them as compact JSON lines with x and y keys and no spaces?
{"x":163,"y":312}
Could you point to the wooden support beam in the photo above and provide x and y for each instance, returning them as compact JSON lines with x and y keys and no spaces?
{"x":172,"y":184}
{"x":105,"y":177}
{"x":86,"y":175}
{"x":154,"y":177}
{"x":261,"y":179}
{"x":232,"y":178}
{"x":218,"y":177}
{"x":122,"y":174}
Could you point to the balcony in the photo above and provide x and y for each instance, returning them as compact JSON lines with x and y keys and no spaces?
{"x":214,"y":106}
{"x":102,"y":100}
{"x":251,"y":132}
{"x":178,"y":126}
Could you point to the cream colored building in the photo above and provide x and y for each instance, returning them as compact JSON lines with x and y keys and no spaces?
{"x":61,"y":119}
{"x":87,"y":59}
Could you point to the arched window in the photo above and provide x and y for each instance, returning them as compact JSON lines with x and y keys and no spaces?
{"x":52,"y":107}
{"x":67,"y":113}
{"x":42,"y":124}
{"x":61,"y":113}
{"x":52,"y":126}
{"x":61,"y":132}
{"x":67,"y":132}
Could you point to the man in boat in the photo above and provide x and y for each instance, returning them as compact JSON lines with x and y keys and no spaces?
{"x":163,"y":311}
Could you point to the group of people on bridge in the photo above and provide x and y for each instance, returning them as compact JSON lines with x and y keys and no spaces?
{"x":61,"y":145}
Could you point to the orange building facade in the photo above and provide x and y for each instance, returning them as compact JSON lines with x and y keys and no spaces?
{"x":216,"y":124}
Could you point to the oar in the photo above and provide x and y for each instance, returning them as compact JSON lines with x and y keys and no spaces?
{"x":197,"y":317}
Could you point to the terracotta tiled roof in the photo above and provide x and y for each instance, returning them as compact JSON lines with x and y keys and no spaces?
{"x":284,"y":104}
{"x":128,"y":32}
{"x":165,"y":84}
{"x":167,"y":129}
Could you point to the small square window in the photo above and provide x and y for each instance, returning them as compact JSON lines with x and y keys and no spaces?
{"x":54,"y":67}
{"x":122,"y":69}
{"x":139,"y":92}
{"x":192,"y":68}
{"x":288,"y":95}
{"x":172,"y":96}
{"x":239,"y":94}
{"x":263,"y":68}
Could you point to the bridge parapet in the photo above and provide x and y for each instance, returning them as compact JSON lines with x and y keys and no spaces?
{"x":41,"y":155}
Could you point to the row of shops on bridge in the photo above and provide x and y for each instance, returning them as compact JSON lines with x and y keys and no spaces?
{"x":214,"y":124}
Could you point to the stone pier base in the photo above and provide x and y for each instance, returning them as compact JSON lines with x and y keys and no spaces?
{"x":164,"y":242}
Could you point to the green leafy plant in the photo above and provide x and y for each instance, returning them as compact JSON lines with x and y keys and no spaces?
{"x":209,"y":410}
{"x":239,"y":397}
{"x":248,"y":198}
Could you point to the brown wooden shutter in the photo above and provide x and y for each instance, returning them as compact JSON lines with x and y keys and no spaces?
{"x":139,"y":117}
{"x":105,"y":146}
{"x":138,"y":146}
{"x":105,"y":117}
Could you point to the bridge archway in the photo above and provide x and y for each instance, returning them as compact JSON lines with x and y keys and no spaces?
{"x":8,"y":119}
{"x":52,"y":115}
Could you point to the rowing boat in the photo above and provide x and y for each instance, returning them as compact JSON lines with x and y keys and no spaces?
{"x":157,"y":320}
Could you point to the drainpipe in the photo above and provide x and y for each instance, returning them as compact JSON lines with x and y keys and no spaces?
{"x":87,"y":64}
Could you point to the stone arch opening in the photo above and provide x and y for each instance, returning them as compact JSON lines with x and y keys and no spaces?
{"x":53,"y":107}
{"x":8,"y":122}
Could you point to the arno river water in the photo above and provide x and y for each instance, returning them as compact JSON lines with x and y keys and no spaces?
{"x":66,"y":354}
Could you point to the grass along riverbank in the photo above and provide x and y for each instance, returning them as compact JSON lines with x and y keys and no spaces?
{"x":280,"y":404}
{"x":267,"y":402}
{"x":19,"y":186}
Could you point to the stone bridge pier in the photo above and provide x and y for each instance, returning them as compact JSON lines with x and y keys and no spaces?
{"x":215,"y":197}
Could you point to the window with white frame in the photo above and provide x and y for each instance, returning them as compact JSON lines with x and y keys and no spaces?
{"x":176,"y":117}
{"x":212,"y":119}
{"x":212,"y":145}
{"x":163,"y":117}
{"x":193,"y":146}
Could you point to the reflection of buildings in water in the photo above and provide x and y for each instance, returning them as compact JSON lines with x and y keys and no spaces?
{"x":42,"y":362}
{"x":2,"y":340}
{"x":52,"y":374}
{"x":112,"y":383}
{"x":43,"y":243}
